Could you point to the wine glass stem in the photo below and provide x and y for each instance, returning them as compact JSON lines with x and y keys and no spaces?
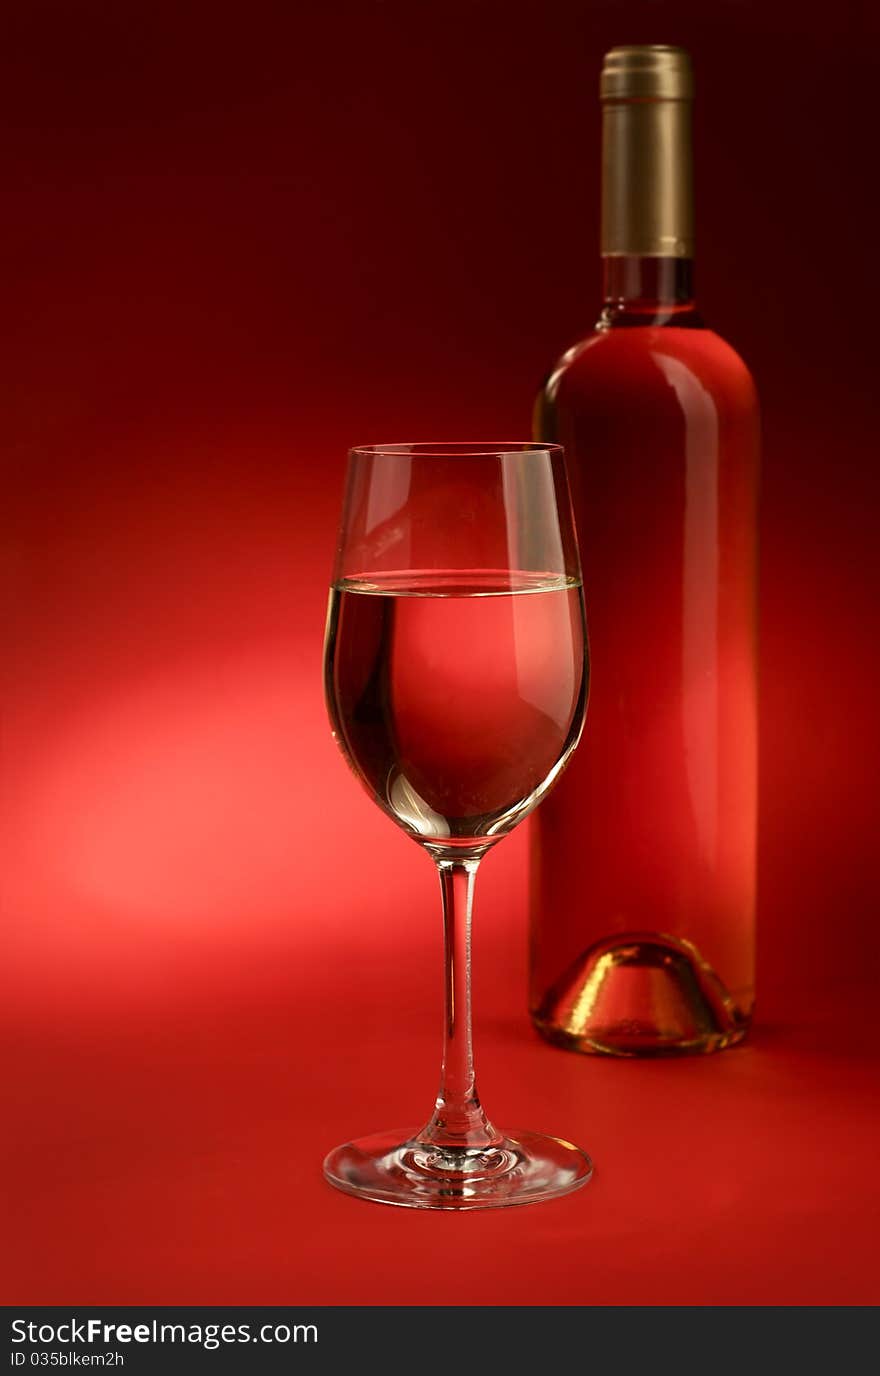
{"x":458,"y":1122}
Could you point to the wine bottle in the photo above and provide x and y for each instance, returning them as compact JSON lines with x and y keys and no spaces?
{"x":643,"y":857}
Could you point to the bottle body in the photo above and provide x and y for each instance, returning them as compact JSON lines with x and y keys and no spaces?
{"x":643,"y":857}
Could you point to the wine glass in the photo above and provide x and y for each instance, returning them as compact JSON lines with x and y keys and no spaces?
{"x":456,"y":676}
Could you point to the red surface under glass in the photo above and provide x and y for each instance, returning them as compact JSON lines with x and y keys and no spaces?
{"x":172,"y":1154}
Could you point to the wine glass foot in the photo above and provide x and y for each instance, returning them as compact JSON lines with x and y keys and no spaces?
{"x":391,"y":1168}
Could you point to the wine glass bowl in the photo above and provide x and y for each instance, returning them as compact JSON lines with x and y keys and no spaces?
{"x":456,"y":677}
{"x":456,"y":695}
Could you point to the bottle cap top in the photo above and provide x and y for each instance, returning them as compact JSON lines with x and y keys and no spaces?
{"x":652,"y":71}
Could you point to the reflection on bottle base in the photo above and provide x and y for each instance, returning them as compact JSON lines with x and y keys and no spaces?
{"x":641,"y":994}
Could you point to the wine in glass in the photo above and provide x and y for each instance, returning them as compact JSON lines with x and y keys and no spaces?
{"x":456,"y":676}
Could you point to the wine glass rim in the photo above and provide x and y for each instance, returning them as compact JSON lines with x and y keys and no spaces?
{"x":454,"y":449}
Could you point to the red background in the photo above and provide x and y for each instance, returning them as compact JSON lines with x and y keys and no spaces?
{"x":234,"y":244}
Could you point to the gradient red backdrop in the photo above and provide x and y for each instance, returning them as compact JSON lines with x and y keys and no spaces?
{"x":235,"y":243}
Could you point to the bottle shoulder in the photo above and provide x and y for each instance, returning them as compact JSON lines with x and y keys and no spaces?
{"x":609,"y":363}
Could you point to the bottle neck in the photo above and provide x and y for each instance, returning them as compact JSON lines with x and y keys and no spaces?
{"x":642,"y":289}
{"x":647,"y":239}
